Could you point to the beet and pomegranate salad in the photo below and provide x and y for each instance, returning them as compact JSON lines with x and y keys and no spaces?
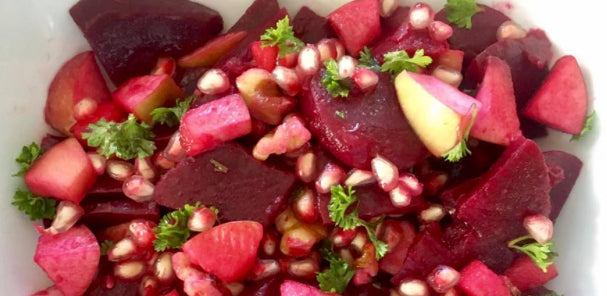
{"x":382,"y":150}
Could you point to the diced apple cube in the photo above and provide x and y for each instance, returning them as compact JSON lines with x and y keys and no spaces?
{"x":288,"y":136}
{"x":263,"y":97}
{"x":357,"y":24}
{"x":210,"y":53}
{"x":478,"y":280}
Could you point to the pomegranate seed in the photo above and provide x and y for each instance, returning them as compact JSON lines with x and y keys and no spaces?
{"x":308,"y":61}
{"x":331,"y":175}
{"x":304,"y":206}
{"x":286,"y":220}
{"x":213,"y":82}
{"x":138,"y":188}
{"x":387,"y":7}
{"x":365,"y":79}
{"x":122,"y":250}
{"x":539,"y":227}
{"x":510,"y":30}
{"x":385,"y":172}
{"x":359,"y":241}
{"x":119,"y":170}
{"x":413,"y":288}
{"x":433,"y":213}
{"x":420,"y":16}
{"x":394,"y":292}
{"x":84,"y":108}
{"x":145,"y":168}
{"x":435,"y":183}
{"x":98,"y":162}
{"x":400,"y":197}
{"x":342,"y":238}
{"x":268,"y":244}
{"x":327,"y":49}
{"x":163,"y":268}
{"x":287,"y":79}
{"x":235,"y":288}
{"x":339,"y":48}
{"x":202,"y":219}
{"x":358,"y":177}
{"x":347,"y":256}
{"x":305,"y":268}
{"x":346,"y":66}
{"x":109,"y":281}
{"x":165,"y":65}
{"x":183,"y":267}
{"x":305,"y":167}
{"x":391,"y":234}
{"x":148,"y":286}
{"x":129,"y":270}
{"x":297,"y":242}
{"x":200,"y":284}
{"x":67,"y":214}
{"x":443,"y":278}
{"x":448,"y":75}
{"x":173,"y":151}
{"x":142,"y":233}
{"x":289,"y":60}
{"x":440,"y":31}
{"x":163,"y":163}
{"x":361,"y":277}
{"x":294,"y":154}
{"x":264,"y":268}
{"x":412,"y":184}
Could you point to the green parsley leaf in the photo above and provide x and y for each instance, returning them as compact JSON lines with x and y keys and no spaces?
{"x":461,"y":150}
{"x":127,"y":140}
{"x":340,"y":212}
{"x":460,"y":12}
{"x":283,"y":37}
{"x":28,"y":155}
{"x":336,"y":86}
{"x":588,"y":125}
{"x":105,"y":246}
{"x":541,"y":254}
{"x":172,"y":231}
{"x":336,"y":278}
{"x":218,"y":166}
{"x":35,"y":207}
{"x":341,"y":114}
{"x":172,"y":116}
{"x":366,"y":60}
{"x":398,"y":61}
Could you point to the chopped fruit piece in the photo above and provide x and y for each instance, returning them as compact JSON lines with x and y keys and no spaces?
{"x":448,"y":75}
{"x":311,"y":27}
{"x":327,"y":48}
{"x":292,"y":288}
{"x":410,"y":40}
{"x":357,"y":24}
{"x":496,"y":121}
{"x":400,"y":235}
{"x":443,"y":278}
{"x":423,"y":97}
{"x":263,"y":97}
{"x":282,"y":38}
{"x":77,"y":80}
{"x":478,"y":280}
{"x":205,"y":127}
{"x":114,"y":29}
{"x":211,"y":52}
{"x":562,"y":101}
{"x":165,"y":65}
{"x":440,"y":31}
{"x":413,"y":288}
{"x":64,"y":172}
{"x":510,"y":30}
{"x":141,"y":95}
{"x":107,"y":213}
{"x":365,"y":79}
{"x":248,"y":190}
{"x":70,"y":259}
{"x":50,"y":291}
{"x":304,"y":268}
{"x":213,"y":82}
{"x":125,"y":140}
{"x":265,"y":56}
{"x":228,"y":250}
{"x":288,"y":136}
{"x":420,"y":16}
{"x":287,"y":79}
{"x":453,"y":59}
{"x":559,"y":193}
{"x":460,"y":12}
{"x":525,"y":275}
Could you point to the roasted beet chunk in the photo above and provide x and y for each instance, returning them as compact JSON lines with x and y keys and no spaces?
{"x":229,"y":178}
{"x":571,"y":167}
{"x":410,"y":40}
{"x":311,"y":27}
{"x":128,"y":36}
{"x":372,"y":124}
{"x":104,"y":213}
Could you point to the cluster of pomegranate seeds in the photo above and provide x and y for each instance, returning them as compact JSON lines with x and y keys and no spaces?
{"x":312,"y":183}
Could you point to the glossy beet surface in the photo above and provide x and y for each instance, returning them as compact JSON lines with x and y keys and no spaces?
{"x":373,"y":124}
{"x":311,"y":27}
{"x":249,"y":190}
{"x":103,"y":213}
{"x":129,"y":36}
{"x":571,"y":166}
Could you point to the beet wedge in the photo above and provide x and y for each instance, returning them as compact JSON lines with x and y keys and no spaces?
{"x":562,"y":101}
{"x":357,"y":24}
{"x":571,"y":166}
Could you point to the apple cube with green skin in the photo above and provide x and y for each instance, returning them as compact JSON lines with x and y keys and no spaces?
{"x":78,"y":79}
{"x":141,"y":95}
{"x":64,"y":172}
{"x":210,"y":53}
{"x":205,"y":127}
{"x":439,"y":113}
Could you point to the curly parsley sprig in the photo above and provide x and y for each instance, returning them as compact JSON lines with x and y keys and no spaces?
{"x":171,"y":116}
{"x":461,"y":149}
{"x":283,"y":37}
{"x":366,"y":60}
{"x":28,"y":155}
{"x":336,"y":86}
{"x":588,"y":126}
{"x":172,"y":231}
{"x":35,"y":207}
{"x":398,"y":61}
{"x":541,"y":254}
{"x":336,"y":278}
{"x":460,"y":12}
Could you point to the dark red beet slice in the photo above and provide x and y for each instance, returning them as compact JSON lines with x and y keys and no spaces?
{"x":483,"y":156}
{"x":311,"y":27}
{"x":367,"y":290}
{"x":266,"y":287}
{"x":451,"y":196}
{"x":50,"y":140}
{"x":373,"y":202}
{"x":256,"y":15}
{"x":409,"y":40}
{"x":105,"y":188}
{"x":189,"y":79}
{"x":556,"y":173}
{"x":571,"y":166}
{"x":425,"y":254}
{"x":250,"y":190}
{"x":107,"y":213}
{"x":390,"y":24}
{"x":128,"y":36}
{"x":373,"y":124}
{"x":482,"y":34}
{"x":121,"y":288}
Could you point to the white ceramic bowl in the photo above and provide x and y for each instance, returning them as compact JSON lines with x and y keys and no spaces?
{"x":39,"y":35}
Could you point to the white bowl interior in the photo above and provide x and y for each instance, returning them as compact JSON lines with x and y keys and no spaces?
{"x":39,"y":36}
